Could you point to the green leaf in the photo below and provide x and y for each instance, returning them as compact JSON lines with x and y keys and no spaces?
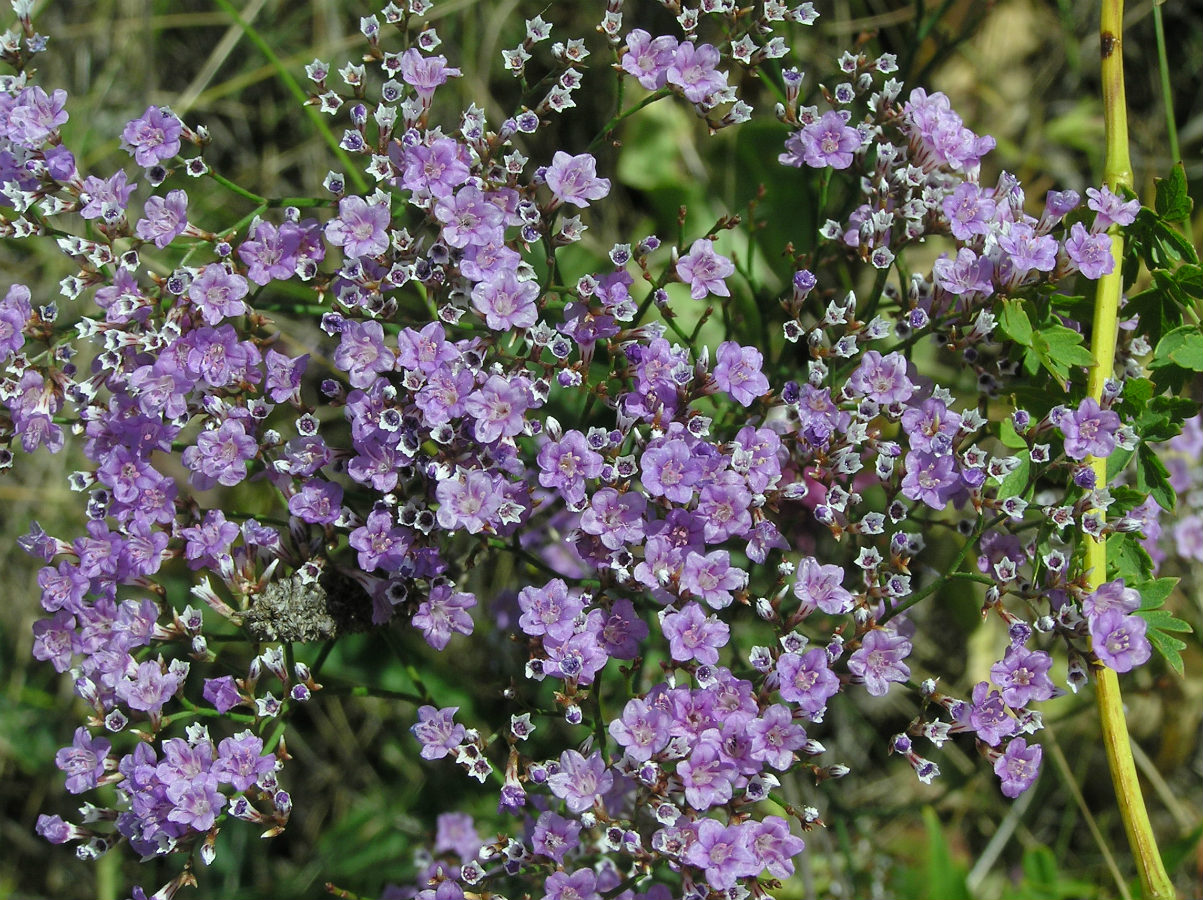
{"x":1015,"y":483}
{"x":1153,"y":477}
{"x":1173,"y":196}
{"x":1182,"y":347}
{"x":1154,"y":593}
{"x":1065,"y":345}
{"x":1137,"y":393}
{"x":1164,"y":620}
{"x":1127,"y":559}
{"x":1009,"y":436}
{"x":1117,"y":462}
{"x":1014,"y":322}
{"x":944,"y":876}
{"x":1190,"y":279}
{"x":1169,"y":647}
{"x":1172,"y":246}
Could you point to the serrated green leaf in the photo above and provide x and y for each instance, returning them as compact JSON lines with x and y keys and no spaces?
{"x":1015,"y":323}
{"x":1173,"y":196}
{"x":1065,"y":346}
{"x":1172,"y":246}
{"x":1169,"y":647}
{"x":1153,"y":477}
{"x":1190,"y":279}
{"x":1154,"y":593}
{"x":1182,"y":347}
{"x":1015,"y":483}
{"x":1137,"y":393}
{"x":1127,"y":559}
{"x":1164,"y":620}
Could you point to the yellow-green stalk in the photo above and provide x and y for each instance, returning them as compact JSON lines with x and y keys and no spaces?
{"x":1117,"y":175}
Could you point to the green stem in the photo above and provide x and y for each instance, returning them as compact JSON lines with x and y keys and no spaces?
{"x":297,"y":91}
{"x":1117,"y":174}
{"x":1167,"y":97}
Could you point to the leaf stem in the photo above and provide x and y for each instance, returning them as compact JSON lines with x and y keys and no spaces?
{"x":1117,"y":173}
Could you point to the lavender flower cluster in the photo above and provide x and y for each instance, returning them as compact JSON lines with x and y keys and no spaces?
{"x":693,"y":485}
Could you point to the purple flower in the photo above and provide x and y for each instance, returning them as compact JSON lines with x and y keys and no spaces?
{"x":36,"y":115}
{"x":222,"y":692}
{"x":1111,"y":208}
{"x":549,"y":610}
{"x":616,"y":519}
{"x":967,"y":274}
{"x":218,"y":293}
{"x":148,"y":688}
{"x":580,"y":885}
{"x":442,"y":613}
{"x":712,"y":577}
{"x":470,"y":500}
{"x":1119,"y":640}
{"x":1111,"y":595}
{"x":506,"y":302}
{"x":931,"y":426}
{"x":775,"y":737}
{"x":988,"y":715}
{"x":437,"y":731}
{"x":1026,"y":250}
{"x":969,"y":211}
{"x":694,"y":71}
{"x":879,"y":660}
{"x":704,"y":270}
{"x":822,"y":587}
{"x":240,"y":762}
{"x":647,"y":59}
{"x":933,"y":479}
{"x":882,"y":379}
{"x":361,"y":352}
{"x":381,"y":543}
{"x":318,"y":502}
{"x":722,"y":851}
{"x":284,"y":375}
{"x":554,"y":836}
{"x":737,"y":371}
{"x":154,"y":137}
{"x":83,"y":761}
{"x":707,"y":775}
{"x":166,"y":219}
{"x":694,"y":635}
{"x":773,"y":845}
{"x":469,"y":217}
{"x":642,"y":730}
{"x":573,"y":179}
{"x":196,"y":801}
{"x":437,"y":169}
{"x":1091,"y":253}
{"x":581,"y":780}
{"x":1023,"y":676}
{"x":566,"y":464}
{"x":828,"y":141}
{"x":425,"y":73}
{"x":220,"y":455}
{"x":272,"y":253}
{"x":499,"y":407}
{"x":619,"y":632}
{"x":361,"y":229}
{"x":206,"y":544}
{"x":1018,"y":766}
{"x":805,"y":679}
{"x":105,"y":199}
{"x":1089,"y":430}
{"x":669,"y":470}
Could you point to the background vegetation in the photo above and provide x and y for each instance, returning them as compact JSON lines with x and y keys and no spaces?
{"x":1023,"y":71}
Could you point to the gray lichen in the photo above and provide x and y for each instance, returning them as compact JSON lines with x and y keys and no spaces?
{"x":291,"y":610}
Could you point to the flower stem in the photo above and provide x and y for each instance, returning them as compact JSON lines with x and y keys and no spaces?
{"x":1117,"y":174}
